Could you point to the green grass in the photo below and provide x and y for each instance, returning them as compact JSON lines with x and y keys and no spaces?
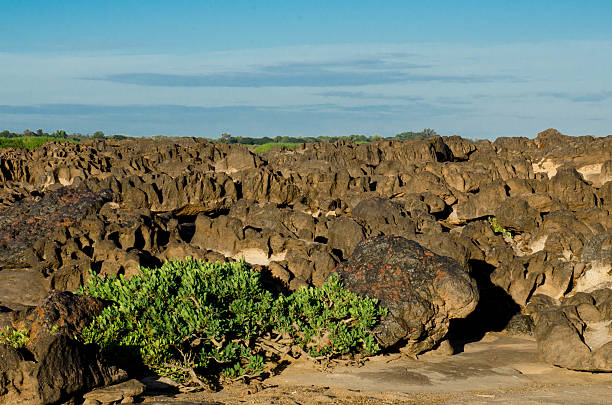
{"x":29,"y":142}
{"x":267,"y":146}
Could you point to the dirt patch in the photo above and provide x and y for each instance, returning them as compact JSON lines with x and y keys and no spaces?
{"x":498,"y":369}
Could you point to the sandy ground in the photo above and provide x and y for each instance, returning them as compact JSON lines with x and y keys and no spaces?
{"x":498,"y":369}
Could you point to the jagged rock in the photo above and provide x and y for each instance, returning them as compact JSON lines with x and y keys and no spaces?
{"x":35,"y":218}
{"x":301,"y":211}
{"x":520,"y":324}
{"x":65,"y":367}
{"x":460,"y":148}
{"x":575,"y":334}
{"x":53,"y":366}
{"x":479,"y":205}
{"x":22,"y":287}
{"x":236,"y":160}
{"x":422,"y":290}
{"x":525,"y":276}
{"x":453,"y":245}
{"x":344,"y":235}
{"x":570,"y":188}
{"x":596,"y":264}
{"x":515,"y":215}
{"x":384,"y":217}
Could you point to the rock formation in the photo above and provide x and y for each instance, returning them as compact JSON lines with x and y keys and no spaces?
{"x":525,"y":218}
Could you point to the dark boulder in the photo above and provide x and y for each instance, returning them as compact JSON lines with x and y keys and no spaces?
{"x":422,"y":290}
{"x":66,"y":367}
{"x":53,"y":366}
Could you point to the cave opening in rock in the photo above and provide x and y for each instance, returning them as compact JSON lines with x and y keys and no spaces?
{"x":494,"y":310}
{"x":186,"y":231}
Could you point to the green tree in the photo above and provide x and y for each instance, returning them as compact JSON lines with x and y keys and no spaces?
{"x":225,"y":138}
{"x":60,"y":133}
{"x":98,"y":135}
{"x":428,"y":133}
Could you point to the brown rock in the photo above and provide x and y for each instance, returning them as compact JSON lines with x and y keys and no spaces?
{"x":422,"y":290}
{"x":126,"y":390}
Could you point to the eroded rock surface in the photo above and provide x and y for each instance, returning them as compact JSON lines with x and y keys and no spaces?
{"x":575,"y":333}
{"x":113,"y":206}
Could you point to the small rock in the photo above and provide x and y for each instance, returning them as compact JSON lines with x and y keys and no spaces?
{"x":117,"y":392}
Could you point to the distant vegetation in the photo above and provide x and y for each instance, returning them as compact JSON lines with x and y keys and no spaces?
{"x":291,"y":140}
{"x":30,"y":139}
{"x":29,"y":142}
{"x":267,"y":146}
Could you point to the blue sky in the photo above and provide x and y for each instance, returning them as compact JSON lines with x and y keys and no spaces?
{"x":479,"y":69}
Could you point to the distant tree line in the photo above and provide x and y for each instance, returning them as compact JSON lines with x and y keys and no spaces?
{"x":228,"y":138}
{"x":60,"y":134}
{"x":426,"y":133}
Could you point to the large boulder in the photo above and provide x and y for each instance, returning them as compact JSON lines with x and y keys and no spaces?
{"x":422,"y":291}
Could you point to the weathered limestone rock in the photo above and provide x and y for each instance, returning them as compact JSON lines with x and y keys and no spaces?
{"x":576,"y":333}
{"x":299,"y":212}
{"x":36,"y":218}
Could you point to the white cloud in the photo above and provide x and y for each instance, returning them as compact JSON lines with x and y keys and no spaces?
{"x":563,"y":84}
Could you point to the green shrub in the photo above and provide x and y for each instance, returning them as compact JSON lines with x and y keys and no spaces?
{"x":497,"y":228}
{"x":330,"y":320}
{"x":216,"y":319}
{"x":14,"y":337}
